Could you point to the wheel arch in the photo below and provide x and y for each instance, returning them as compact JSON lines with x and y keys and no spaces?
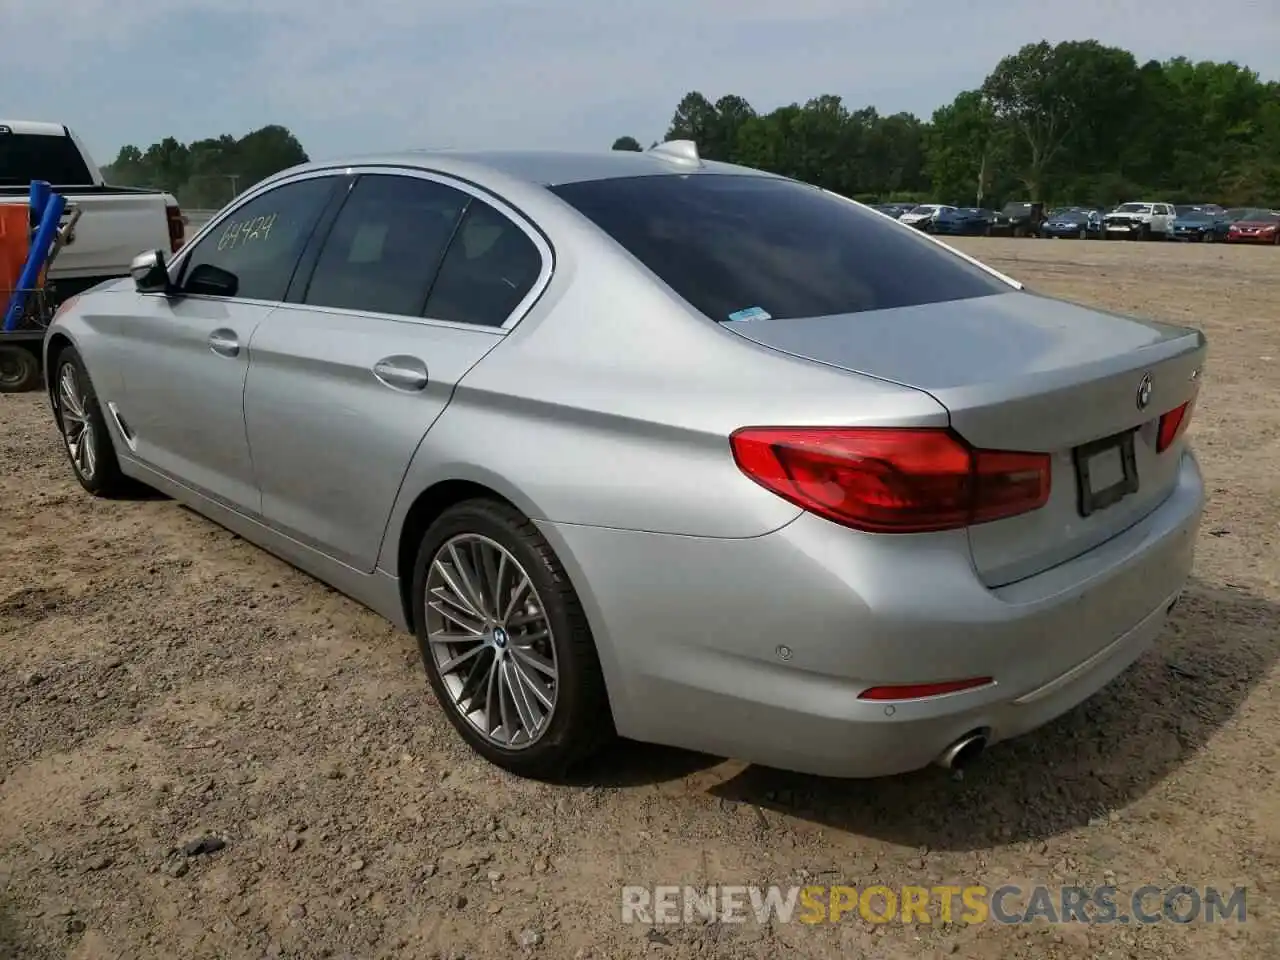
{"x":426,"y":507}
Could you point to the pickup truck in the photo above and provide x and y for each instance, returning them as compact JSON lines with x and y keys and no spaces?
{"x":115,"y":222}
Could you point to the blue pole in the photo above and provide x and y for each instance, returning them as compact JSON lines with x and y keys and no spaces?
{"x":41,"y":191}
{"x":36,"y":257}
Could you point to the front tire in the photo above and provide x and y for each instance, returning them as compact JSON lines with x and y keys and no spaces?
{"x":505,"y":642}
{"x":19,"y":369}
{"x":85,"y":436}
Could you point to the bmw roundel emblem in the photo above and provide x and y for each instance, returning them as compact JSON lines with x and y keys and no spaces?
{"x":1144,"y":392}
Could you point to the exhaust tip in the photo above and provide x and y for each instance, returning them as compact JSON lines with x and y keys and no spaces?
{"x":963,"y":752}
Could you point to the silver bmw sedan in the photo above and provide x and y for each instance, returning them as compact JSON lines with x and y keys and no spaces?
{"x":640,"y":444}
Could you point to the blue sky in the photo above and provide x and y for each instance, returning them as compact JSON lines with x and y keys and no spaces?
{"x":355,"y":77}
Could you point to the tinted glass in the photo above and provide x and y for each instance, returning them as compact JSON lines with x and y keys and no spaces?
{"x":490,"y":266}
{"x":25,"y":157}
{"x":260,"y":241}
{"x":732,"y":243}
{"x":385,"y":245}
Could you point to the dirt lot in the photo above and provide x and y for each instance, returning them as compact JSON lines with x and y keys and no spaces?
{"x":161,"y":680}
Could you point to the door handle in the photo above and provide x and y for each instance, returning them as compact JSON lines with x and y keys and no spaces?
{"x":224,"y":343}
{"x":401,"y":373}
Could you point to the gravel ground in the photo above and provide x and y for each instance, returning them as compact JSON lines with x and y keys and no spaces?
{"x":206,"y":754}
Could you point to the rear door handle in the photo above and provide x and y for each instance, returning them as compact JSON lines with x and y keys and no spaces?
{"x":224,"y":343}
{"x":401,"y":373}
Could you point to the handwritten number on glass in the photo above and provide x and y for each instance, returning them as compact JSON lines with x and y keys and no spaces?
{"x":243,"y":232}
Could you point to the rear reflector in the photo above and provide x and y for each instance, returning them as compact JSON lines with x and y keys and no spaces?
{"x":891,"y":480}
{"x":921,"y":691}
{"x":1172,"y":425}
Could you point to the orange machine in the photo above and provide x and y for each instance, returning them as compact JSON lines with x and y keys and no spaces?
{"x":15,"y":244}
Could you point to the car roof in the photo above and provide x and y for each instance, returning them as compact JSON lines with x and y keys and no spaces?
{"x":540,"y":167}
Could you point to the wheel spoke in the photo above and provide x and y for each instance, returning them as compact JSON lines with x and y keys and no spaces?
{"x":517,"y":592}
{"x":504,"y":704}
{"x":535,"y":660}
{"x":532,"y":684}
{"x":467,"y":579}
{"x":520,"y":700}
{"x":455,"y":616}
{"x":456,"y":592}
{"x":489,"y":567}
{"x":453,"y":663}
{"x":89,"y":446}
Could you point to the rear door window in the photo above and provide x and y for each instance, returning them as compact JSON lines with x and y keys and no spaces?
{"x":746,"y":247}
{"x":386,"y":245}
{"x":489,"y":269}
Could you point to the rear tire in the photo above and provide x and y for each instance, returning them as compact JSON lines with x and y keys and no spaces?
{"x":19,"y":369}
{"x":85,"y":436}
{"x":488,"y":550}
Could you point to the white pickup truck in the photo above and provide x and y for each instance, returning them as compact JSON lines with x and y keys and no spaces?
{"x":115,"y":224}
{"x":1139,"y":221}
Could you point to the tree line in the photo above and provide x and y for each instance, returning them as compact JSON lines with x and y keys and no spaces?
{"x":1073,"y":122}
{"x":206,"y":174}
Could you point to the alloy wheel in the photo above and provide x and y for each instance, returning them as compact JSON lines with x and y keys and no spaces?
{"x":491,"y":640}
{"x":77,"y":430}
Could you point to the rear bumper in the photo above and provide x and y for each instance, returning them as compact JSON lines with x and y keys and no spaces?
{"x":690,"y":632}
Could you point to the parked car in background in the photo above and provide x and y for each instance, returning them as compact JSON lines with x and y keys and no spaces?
{"x":1001,"y":224}
{"x":895,"y":210}
{"x":921,"y":216}
{"x":1077,"y":223}
{"x":963,"y":222}
{"x":1209,"y":208}
{"x":1255,"y":226}
{"x":1025,"y":217}
{"x":1201,"y":226}
{"x":960,"y":509}
{"x":115,"y":222}
{"x":1138,"y":221}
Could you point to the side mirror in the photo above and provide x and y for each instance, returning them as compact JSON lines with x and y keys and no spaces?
{"x":207,"y":280}
{"x":150,"y":272}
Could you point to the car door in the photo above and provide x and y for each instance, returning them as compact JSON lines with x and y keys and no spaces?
{"x":410,"y":288}
{"x":185,"y":354}
{"x":1163,"y":218}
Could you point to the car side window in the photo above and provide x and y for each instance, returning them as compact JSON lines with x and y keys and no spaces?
{"x":490,"y":266}
{"x":386,"y":245}
{"x":259,"y":243}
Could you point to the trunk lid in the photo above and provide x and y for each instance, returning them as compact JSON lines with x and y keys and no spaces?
{"x":1019,"y":371}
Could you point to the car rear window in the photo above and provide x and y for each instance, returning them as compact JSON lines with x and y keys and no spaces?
{"x":25,"y":157}
{"x":741,"y":247}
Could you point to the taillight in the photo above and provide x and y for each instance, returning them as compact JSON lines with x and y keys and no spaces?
{"x":1173,"y":424}
{"x":177,"y":228}
{"x":891,"y":480}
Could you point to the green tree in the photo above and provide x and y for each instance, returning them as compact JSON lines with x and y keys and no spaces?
{"x":966,"y":149}
{"x":1058,"y":97}
{"x":207,"y":173}
{"x":627,"y":143}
